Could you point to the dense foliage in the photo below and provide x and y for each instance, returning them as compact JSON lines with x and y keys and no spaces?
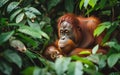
{"x":28,"y":26}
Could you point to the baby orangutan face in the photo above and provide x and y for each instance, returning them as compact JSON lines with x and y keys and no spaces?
{"x":52,"y":53}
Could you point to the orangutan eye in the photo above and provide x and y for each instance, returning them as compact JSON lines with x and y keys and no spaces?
{"x":67,"y":32}
{"x":61,"y":31}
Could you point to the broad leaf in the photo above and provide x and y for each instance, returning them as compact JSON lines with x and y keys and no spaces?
{"x":113,"y":44}
{"x":30,"y":54}
{"x":62,"y":65}
{"x":83,"y":60}
{"x":85,"y":52}
{"x":33,"y":32}
{"x":92,"y":3}
{"x":35,"y":24}
{"x":102,"y":61}
{"x":81,"y":4}
{"x":75,"y":68}
{"x":5,"y":36}
{"x":2,"y":2}
{"x":101,"y":28}
{"x":13,"y":57}
{"x":52,"y":3}
{"x":12,"y":6}
{"x":20,"y":17}
{"x":108,"y":34}
{"x":69,"y":5}
{"x":102,"y":4}
{"x":15,"y":14}
{"x":30,"y":15}
{"x":95,"y":49}
{"x":28,"y":40}
{"x":112,"y":59}
{"x":34,"y":10}
{"x":5,"y":68}
{"x":28,"y":71}
{"x":86,"y":2}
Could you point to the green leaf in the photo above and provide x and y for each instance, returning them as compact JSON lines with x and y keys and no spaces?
{"x":33,"y":32}
{"x":75,"y":68}
{"x":108,"y":34}
{"x":95,"y":49}
{"x":52,"y":3}
{"x":28,"y":40}
{"x":20,"y":17}
{"x":101,"y":28}
{"x":28,"y":71}
{"x":35,"y":24}
{"x":30,"y":54}
{"x":12,"y":6}
{"x":85,"y":52}
{"x":92,"y":72}
{"x":34,"y":10}
{"x":81,"y":4}
{"x":69,"y":5}
{"x":30,"y":15}
{"x":13,"y":57}
{"x":5,"y":68}
{"x":83,"y":60}
{"x":86,"y":2}
{"x":62,"y":65}
{"x":113,"y":44}
{"x":102,"y":61}
{"x":2,"y":2}
{"x":92,"y":3}
{"x":5,"y":36}
{"x":15,"y":14}
{"x":112,"y":59}
{"x":102,"y":4}
{"x":106,"y":12}
{"x":115,"y":73}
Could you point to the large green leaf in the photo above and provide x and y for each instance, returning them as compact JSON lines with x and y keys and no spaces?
{"x":35,"y":24}
{"x":81,"y":4}
{"x":32,"y":71}
{"x":30,"y":54}
{"x":33,"y":10}
{"x":95,"y":49}
{"x":52,"y":3}
{"x":5,"y":68}
{"x":69,"y":5}
{"x":33,"y":32}
{"x":102,"y":61}
{"x":12,"y":6}
{"x":30,"y":15}
{"x":2,"y":2}
{"x":112,"y":59}
{"x":15,"y":14}
{"x":13,"y":57}
{"x":102,"y":4}
{"x":108,"y":34}
{"x":84,"y":60}
{"x":5,"y":36}
{"x":20,"y":17}
{"x":92,"y":3}
{"x":113,"y":44}
{"x":62,"y":65}
{"x":86,"y":2}
{"x":75,"y":68}
{"x":101,"y":28}
{"x":28,"y":40}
